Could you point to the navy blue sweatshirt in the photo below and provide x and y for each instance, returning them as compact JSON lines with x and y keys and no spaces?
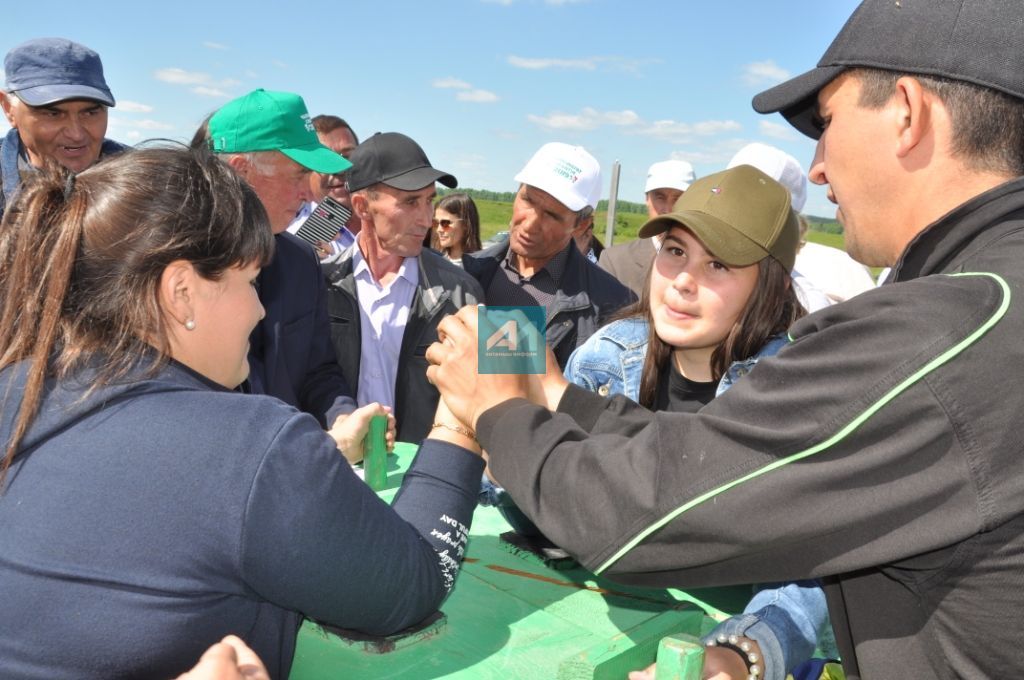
{"x":143,"y":522}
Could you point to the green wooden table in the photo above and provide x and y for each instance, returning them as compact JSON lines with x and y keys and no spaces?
{"x":513,"y":616}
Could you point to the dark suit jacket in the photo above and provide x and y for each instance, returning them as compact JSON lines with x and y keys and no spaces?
{"x":629,"y":262}
{"x":443,"y":289}
{"x":291,"y":356}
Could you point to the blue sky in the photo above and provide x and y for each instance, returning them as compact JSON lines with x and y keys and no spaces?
{"x":481,"y":84}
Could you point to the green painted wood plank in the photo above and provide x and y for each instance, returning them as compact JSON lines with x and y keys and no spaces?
{"x":510,"y":617}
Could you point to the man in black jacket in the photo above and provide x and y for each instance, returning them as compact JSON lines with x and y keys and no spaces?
{"x":387,"y":292}
{"x":540,"y":265}
{"x":268,"y":139}
{"x":879,"y":450}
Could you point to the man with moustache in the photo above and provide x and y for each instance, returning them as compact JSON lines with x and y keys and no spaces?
{"x":878,"y":450}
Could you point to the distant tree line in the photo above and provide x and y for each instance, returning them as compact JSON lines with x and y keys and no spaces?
{"x":509,"y":196}
{"x":823,"y":224}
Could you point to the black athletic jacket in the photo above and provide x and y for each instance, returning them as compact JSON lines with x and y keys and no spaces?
{"x":880,"y":451}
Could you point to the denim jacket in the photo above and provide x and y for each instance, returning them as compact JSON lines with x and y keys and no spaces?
{"x":611,"y":361}
{"x":784,"y":618}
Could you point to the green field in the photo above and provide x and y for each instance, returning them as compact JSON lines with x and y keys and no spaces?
{"x":495,"y":216}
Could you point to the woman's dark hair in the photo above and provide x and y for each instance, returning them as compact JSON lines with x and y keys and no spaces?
{"x":85,"y":254}
{"x":771,"y":309}
{"x":201,"y":138}
{"x":463,"y":207}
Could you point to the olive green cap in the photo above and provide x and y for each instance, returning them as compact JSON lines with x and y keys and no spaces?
{"x":741,"y":215}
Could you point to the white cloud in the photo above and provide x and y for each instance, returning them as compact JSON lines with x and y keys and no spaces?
{"x":471,"y":161}
{"x":764,"y":72}
{"x":278,"y":63}
{"x":715,"y":154}
{"x":444,"y":83}
{"x":133,"y":107}
{"x":676,"y":132}
{"x":151,"y":125}
{"x":214,"y":45}
{"x":178,"y":76}
{"x":465,"y":91}
{"x":133,"y":130}
{"x":587,"y":119}
{"x":537,"y":64}
{"x":611,"y":63}
{"x":477,"y":96}
{"x":204,"y":83}
{"x":147,"y":124}
{"x":210,"y":91}
{"x":252,"y":75}
{"x":777,"y":131}
{"x":666,"y":130}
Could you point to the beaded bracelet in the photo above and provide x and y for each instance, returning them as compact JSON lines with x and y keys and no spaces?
{"x":741,"y":646}
{"x":464,"y":431}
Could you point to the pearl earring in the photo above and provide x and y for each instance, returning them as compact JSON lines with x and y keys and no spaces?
{"x":190,"y":325}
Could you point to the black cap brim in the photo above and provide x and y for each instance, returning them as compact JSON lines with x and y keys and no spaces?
{"x":797,"y":98}
{"x":417,"y":178}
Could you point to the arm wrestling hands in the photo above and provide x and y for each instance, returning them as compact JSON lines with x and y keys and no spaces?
{"x":454,"y":370}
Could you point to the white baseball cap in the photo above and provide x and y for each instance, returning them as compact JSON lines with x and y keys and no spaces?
{"x":670,"y":175}
{"x":778,"y":165}
{"x":567,"y":172}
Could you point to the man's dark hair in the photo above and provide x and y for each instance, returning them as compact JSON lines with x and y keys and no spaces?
{"x":988,"y":125}
{"x":325,"y":123}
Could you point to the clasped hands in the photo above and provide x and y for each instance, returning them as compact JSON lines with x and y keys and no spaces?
{"x":454,"y":363}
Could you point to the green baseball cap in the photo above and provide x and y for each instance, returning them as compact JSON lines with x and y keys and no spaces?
{"x":272,"y":121}
{"x":741,"y":215}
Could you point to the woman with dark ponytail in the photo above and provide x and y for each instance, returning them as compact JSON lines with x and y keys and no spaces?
{"x":147,"y":509}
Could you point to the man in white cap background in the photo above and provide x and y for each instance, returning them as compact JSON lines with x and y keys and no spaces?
{"x":540,"y":264}
{"x":387,"y":291}
{"x":629,"y":262}
{"x":56,"y":101}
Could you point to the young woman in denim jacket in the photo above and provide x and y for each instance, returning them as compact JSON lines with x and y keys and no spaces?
{"x":700,"y":325}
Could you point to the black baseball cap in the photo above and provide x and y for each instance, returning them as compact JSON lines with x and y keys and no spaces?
{"x":396,"y":160}
{"x":975,"y":41}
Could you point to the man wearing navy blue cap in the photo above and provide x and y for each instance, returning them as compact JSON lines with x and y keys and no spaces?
{"x":56,"y":102}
